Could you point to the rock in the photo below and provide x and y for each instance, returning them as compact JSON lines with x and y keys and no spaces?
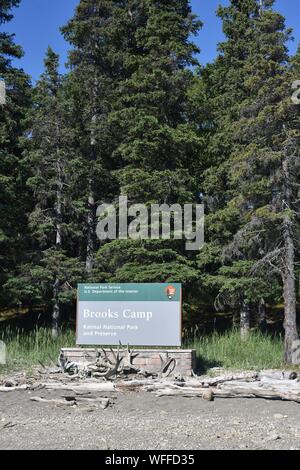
{"x":236,"y":422}
{"x":10,"y":383}
{"x":279,"y":416}
{"x":179,"y":381}
{"x":293,"y":376}
{"x":273,"y":437}
{"x":208,"y":395}
{"x":85,"y":409}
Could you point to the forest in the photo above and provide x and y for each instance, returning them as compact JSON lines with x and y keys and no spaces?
{"x":137,"y":115}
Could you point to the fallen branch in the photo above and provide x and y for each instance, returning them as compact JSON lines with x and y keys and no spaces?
{"x":230,"y":392}
{"x":243,"y":376}
{"x":13,"y":389}
{"x":74,"y":401}
{"x":84,"y":387}
{"x":64,"y":402}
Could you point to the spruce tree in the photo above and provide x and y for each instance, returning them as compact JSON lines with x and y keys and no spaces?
{"x":97,"y":33}
{"x":158,"y":145}
{"x":222,"y":84}
{"x":51,"y":159}
{"x":262,"y":167}
{"x":15,"y":203}
{"x":265,"y":162}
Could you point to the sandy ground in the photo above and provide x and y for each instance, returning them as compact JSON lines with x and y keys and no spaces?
{"x":143,"y":421}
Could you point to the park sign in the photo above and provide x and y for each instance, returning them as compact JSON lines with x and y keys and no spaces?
{"x":135,"y":314}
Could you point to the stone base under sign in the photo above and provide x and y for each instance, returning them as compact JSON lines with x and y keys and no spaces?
{"x":147,"y":359}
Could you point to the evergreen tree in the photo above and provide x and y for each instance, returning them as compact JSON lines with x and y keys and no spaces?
{"x":265,"y":162}
{"x":262,"y":163}
{"x":97,"y":35}
{"x":13,"y":126}
{"x":158,"y":144}
{"x":52,"y":269}
{"x":222,"y":84}
{"x":132,"y":118}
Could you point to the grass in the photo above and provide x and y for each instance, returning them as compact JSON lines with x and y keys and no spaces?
{"x":227,"y":350}
{"x":26,"y":349}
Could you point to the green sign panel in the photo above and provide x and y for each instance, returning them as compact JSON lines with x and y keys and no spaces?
{"x":135,"y":314}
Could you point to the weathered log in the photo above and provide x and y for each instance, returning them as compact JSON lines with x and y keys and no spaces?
{"x":231,"y":392}
{"x":101,"y":400}
{"x":74,"y":401}
{"x":13,"y":389}
{"x":279,"y":385}
{"x":64,"y":402}
{"x":270,"y":394}
{"x":243,"y":376}
{"x":83,"y":387}
{"x":132,"y":385}
{"x":204,"y":382}
{"x":277,"y":375}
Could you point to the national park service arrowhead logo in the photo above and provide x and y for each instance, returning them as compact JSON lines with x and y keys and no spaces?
{"x":171,"y":291}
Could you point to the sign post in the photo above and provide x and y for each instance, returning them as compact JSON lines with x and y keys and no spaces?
{"x":135,"y":314}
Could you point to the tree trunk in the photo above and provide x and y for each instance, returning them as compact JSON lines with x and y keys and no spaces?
{"x":289,"y":293}
{"x":288,"y":272}
{"x":55,"y":311}
{"x":261,"y":7}
{"x":91,"y":218}
{"x":90,"y":231}
{"x":59,"y":208}
{"x":245,"y":320}
{"x":58,"y":244}
{"x":262,"y":322}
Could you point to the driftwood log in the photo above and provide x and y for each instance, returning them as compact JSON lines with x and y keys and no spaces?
{"x":247,"y":385}
{"x":271,"y":385}
{"x":74,"y":401}
{"x":13,"y":389}
{"x":57,"y":401}
{"x":84,"y":387}
{"x":233,"y":392}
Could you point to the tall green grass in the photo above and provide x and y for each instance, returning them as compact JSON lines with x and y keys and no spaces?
{"x":230,"y":351}
{"x":227,"y":350}
{"x":25,"y":349}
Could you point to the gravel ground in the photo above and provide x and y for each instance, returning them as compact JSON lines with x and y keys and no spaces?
{"x":142,"y":421}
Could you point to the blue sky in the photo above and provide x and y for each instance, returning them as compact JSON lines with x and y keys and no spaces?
{"x":37,"y":23}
